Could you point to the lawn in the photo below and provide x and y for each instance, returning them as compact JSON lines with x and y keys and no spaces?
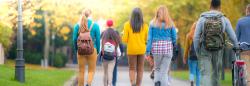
{"x":184,"y":75}
{"x":34,"y":76}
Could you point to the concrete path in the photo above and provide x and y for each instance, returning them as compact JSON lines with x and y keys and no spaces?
{"x":123,"y":79}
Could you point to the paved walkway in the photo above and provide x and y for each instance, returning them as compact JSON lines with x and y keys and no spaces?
{"x":123,"y":79}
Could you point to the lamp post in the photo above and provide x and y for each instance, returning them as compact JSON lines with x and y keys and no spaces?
{"x":19,"y":68}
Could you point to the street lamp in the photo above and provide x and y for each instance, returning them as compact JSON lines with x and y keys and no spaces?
{"x":19,"y":68}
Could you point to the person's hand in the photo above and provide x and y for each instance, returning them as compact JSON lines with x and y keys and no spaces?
{"x":150,"y":60}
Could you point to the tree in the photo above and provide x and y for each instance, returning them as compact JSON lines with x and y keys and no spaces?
{"x":62,"y":15}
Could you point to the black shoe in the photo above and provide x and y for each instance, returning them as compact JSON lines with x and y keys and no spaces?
{"x":87,"y":85}
{"x":152,"y":75}
{"x":158,"y":83}
{"x":134,"y":85}
{"x":192,"y":83}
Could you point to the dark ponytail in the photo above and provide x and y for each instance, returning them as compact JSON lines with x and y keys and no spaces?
{"x":111,"y":34}
{"x":136,"y":20}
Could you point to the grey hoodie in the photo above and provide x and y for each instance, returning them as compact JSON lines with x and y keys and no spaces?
{"x":227,"y":27}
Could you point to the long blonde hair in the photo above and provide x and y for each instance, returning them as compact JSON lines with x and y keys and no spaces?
{"x":162,"y":15}
{"x":83,"y":24}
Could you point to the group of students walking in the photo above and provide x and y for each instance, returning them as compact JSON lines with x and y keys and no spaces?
{"x":155,"y":43}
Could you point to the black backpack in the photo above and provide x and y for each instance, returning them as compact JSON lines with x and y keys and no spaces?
{"x":213,"y":37}
{"x":192,"y":53}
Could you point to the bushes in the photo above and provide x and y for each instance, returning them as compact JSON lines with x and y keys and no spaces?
{"x":5,"y":35}
{"x":33,"y":57}
{"x":59,"y":60}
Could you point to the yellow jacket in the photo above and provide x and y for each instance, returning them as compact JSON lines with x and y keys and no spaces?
{"x":136,"y":42}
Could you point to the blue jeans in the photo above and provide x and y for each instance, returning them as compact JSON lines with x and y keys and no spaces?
{"x":115,"y":74}
{"x":194,"y":71}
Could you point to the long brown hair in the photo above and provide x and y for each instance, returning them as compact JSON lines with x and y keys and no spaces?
{"x":111,"y":34}
{"x":162,"y":15}
{"x":191,"y":32}
{"x":83,"y":23}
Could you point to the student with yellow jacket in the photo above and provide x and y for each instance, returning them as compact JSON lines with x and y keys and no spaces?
{"x":135,"y":35}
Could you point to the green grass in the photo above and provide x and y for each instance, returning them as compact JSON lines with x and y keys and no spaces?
{"x":184,"y":75}
{"x":34,"y":77}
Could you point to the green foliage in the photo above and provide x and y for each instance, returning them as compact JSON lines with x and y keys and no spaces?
{"x":59,"y":60}
{"x":32,"y":43}
{"x":33,"y":57}
{"x":5,"y":35}
{"x":35,"y":42}
{"x":38,"y":77}
{"x":12,"y":52}
{"x":65,"y":13}
{"x":186,"y":12}
{"x":184,"y":75}
{"x":9,"y":13}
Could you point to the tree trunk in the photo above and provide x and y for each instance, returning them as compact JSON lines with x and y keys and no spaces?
{"x":1,"y":54}
{"x":47,"y":40}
